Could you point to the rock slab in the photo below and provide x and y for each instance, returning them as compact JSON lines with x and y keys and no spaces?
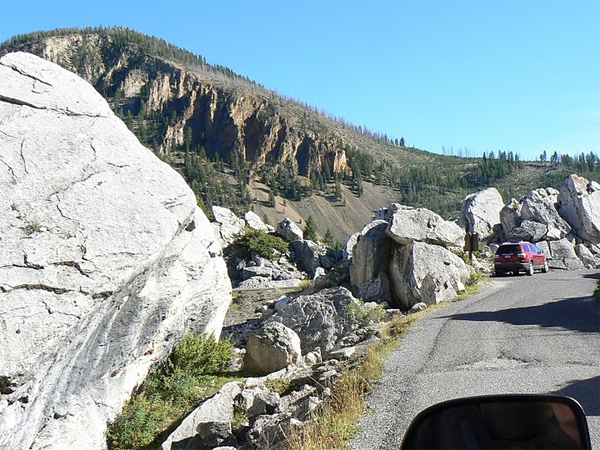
{"x":106,"y":260}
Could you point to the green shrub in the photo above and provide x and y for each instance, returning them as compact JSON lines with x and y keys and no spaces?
{"x":359,"y":315}
{"x":171,"y":391}
{"x":266,"y":245}
{"x":198,"y":355}
{"x":597,"y":293}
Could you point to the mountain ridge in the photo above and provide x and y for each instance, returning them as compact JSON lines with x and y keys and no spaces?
{"x":226,"y":134}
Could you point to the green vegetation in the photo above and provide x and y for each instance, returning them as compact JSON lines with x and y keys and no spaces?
{"x":310,"y":230}
{"x":360,"y":315}
{"x":265,"y":244}
{"x":597,"y":293}
{"x":194,"y":371}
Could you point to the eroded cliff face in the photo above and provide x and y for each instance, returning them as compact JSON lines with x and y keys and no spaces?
{"x":225,"y":114}
{"x":106,"y":260}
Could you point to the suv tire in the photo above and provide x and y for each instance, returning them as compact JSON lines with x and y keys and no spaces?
{"x":530,"y":269}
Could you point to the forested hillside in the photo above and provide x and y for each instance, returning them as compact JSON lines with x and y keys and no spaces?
{"x":245,"y":147}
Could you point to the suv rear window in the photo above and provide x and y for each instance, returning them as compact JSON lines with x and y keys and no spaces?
{"x":503,"y":249}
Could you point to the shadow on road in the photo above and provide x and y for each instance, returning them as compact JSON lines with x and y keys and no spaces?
{"x":586,"y":393}
{"x":572,"y":313}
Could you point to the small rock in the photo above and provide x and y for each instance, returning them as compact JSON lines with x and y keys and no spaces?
{"x":418,"y":307}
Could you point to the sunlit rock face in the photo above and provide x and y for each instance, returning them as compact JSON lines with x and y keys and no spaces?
{"x":106,"y":260}
{"x":579,"y":204}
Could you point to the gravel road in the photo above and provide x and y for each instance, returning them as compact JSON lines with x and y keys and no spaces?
{"x":522,"y":334}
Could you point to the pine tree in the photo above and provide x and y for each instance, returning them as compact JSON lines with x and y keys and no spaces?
{"x":328,"y":239}
{"x":271,"y":198}
{"x":310,"y":230}
{"x":338,"y":189}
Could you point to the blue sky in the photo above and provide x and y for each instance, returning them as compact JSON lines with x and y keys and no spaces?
{"x":481,"y":75}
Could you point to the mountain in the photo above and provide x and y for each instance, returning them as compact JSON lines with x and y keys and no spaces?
{"x":245,"y":147}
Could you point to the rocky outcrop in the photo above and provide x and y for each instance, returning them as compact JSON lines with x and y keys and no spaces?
{"x":404,"y":260}
{"x":304,"y":259}
{"x":529,"y":231}
{"x":227,"y":225}
{"x":334,"y":336}
{"x":225,"y":112}
{"x":319,"y":319}
{"x":480,"y":213}
{"x":289,"y":230}
{"x":255,"y":222}
{"x":310,"y":256}
{"x":106,"y":260}
{"x":510,"y":217}
{"x":565,"y":224}
{"x":370,"y":259}
{"x":579,"y":204}
{"x":209,"y":425}
{"x":426,"y":273}
{"x":409,"y":224}
{"x":539,"y":206}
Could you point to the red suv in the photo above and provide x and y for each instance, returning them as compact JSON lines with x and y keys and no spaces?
{"x":519,"y":256}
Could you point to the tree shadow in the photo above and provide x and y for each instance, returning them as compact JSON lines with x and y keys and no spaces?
{"x":586,"y":393}
{"x":572,"y":313}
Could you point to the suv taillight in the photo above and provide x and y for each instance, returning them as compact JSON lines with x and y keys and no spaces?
{"x":521,"y":255}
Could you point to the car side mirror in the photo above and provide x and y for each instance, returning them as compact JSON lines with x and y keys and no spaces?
{"x":501,"y":422}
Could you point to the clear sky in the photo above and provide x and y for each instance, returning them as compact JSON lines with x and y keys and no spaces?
{"x":481,"y":75}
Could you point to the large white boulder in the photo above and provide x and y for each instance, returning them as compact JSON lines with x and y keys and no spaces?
{"x":426,"y":273}
{"x":563,"y":255}
{"x":480,"y":212}
{"x":409,"y":224}
{"x":510,"y":216}
{"x":539,"y":206}
{"x":255,"y":222}
{"x":579,"y":204}
{"x":106,"y":260}
{"x":318,"y":319}
{"x":370,"y":259}
{"x":273,"y":347}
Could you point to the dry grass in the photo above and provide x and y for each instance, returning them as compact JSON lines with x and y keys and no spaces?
{"x":332,"y":425}
{"x":335,"y":422}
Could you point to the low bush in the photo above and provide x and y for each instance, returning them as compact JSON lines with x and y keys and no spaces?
{"x":194,"y":371}
{"x":265,"y":244}
{"x":360,"y":315}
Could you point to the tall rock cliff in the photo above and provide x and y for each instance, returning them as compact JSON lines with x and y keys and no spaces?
{"x":224,"y":112}
{"x":106,"y":260}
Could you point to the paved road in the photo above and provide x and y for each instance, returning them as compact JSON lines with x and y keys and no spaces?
{"x":523,"y":334}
